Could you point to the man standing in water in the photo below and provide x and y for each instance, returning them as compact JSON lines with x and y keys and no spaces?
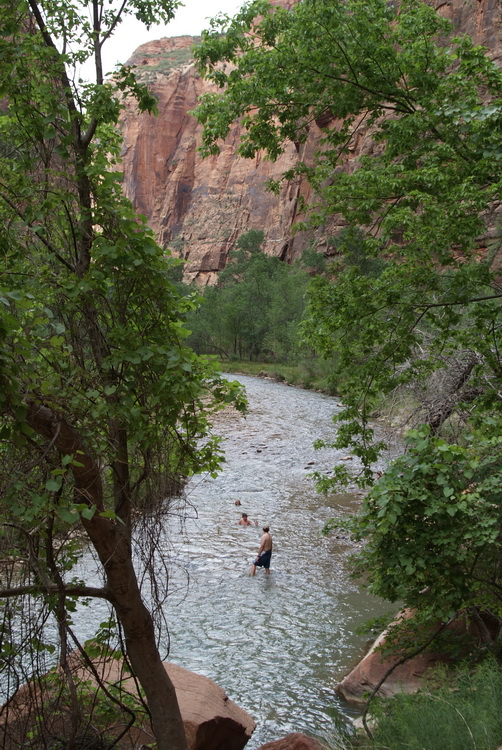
{"x":264,"y":553}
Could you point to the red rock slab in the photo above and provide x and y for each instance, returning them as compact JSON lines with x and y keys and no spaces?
{"x":293,"y":741}
{"x":212,"y":721}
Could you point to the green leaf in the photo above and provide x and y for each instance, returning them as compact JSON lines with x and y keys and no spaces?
{"x":108,"y":514}
{"x":54,"y":485}
{"x":68,"y":516}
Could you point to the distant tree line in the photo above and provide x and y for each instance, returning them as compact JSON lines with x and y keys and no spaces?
{"x":254,"y":310}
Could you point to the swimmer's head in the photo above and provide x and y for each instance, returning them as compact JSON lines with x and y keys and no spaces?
{"x":266,"y":528}
{"x":244,"y":515}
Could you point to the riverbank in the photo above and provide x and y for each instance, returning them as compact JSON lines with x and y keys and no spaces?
{"x":392,"y":413}
{"x":309,"y":377}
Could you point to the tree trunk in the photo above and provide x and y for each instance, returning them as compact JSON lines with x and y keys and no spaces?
{"x":445,"y":403}
{"x":122,"y":585}
{"x":111,"y":541}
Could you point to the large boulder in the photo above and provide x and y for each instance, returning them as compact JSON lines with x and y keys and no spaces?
{"x":361,"y":681}
{"x":410,"y":676}
{"x":293,"y":741}
{"x":212,"y":721}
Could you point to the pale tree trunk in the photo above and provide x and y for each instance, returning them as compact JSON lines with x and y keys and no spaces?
{"x":111,"y":541}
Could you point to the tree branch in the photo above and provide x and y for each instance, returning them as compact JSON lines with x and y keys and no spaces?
{"x":64,"y":77}
{"x":459,"y":302}
{"x":41,"y":237}
{"x":38,"y":590}
{"x":114,"y":24}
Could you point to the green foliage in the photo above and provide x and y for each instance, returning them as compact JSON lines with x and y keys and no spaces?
{"x":107,"y":708}
{"x":356,"y":252}
{"x":254,"y":310}
{"x":411,"y":289}
{"x":104,"y":409}
{"x":432,"y":527}
{"x":312,"y":260}
{"x":465,"y":712}
{"x":91,"y":326}
{"x":413,"y":299}
{"x":307,"y":372}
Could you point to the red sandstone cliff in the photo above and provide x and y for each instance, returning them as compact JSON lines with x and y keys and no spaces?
{"x":200,"y":207}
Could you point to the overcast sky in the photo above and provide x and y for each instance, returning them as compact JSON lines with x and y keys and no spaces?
{"x":190,"y":19}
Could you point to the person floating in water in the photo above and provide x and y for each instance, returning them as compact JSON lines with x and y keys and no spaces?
{"x":245,"y":521}
{"x":264,"y":553}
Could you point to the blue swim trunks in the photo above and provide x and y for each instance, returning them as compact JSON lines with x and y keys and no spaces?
{"x":264,"y":560}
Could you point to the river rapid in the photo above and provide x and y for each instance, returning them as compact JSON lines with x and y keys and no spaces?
{"x":277,"y":644}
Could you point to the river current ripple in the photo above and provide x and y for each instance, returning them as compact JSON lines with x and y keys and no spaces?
{"x":277,"y":644}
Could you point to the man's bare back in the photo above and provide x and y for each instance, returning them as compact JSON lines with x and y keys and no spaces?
{"x":264,"y":553}
{"x":265,"y":542}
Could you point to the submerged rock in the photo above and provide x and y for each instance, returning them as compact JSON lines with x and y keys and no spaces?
{"x":293,"y":741}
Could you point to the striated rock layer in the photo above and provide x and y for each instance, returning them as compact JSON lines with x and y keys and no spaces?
{"x":199,"y":207}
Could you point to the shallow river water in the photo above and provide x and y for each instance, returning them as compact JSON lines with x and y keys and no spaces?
{"x":277,"y":644}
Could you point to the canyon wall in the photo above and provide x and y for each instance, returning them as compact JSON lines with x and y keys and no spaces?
{"x":199,"y":207}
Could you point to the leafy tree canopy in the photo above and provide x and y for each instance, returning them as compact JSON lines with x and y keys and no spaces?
{"x":254,"y":309}
{"x":419,"y":195}
{"x":434,"y":522}
{"x":103,"y":405}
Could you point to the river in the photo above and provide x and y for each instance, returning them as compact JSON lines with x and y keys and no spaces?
{"x":277,"y":644}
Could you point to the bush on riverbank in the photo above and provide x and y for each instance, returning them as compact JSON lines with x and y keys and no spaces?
{"x":465,"y":711}
{"x":313,"y":375}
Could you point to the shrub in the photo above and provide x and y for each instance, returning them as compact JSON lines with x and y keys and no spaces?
{"x":464,"y":713}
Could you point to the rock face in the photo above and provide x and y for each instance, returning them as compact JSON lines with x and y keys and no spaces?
{"x":200,"y":207}
{"x":212,"y":721}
